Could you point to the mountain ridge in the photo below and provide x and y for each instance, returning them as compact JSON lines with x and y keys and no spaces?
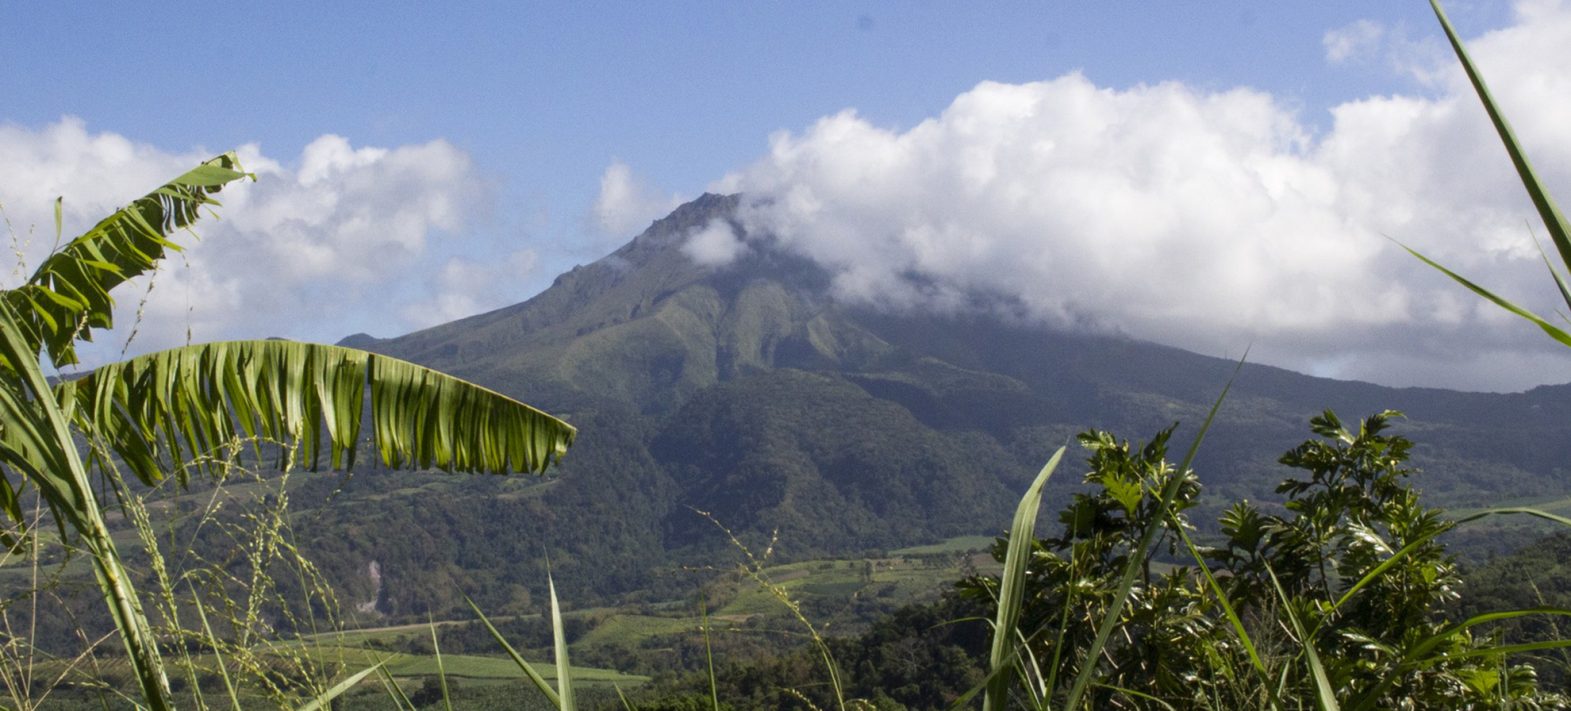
{"x":748,"y":393}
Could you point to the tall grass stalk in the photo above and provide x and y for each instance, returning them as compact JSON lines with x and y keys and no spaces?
{"x":441,"y":670}
{"x":262,"y":652}
{"x":754,"y":568}
{"x":249,"y":653}
{"x":622,"y":697}
{"x":218,"y":652}
{"x":709,"y":655}
{"x":21,"y":661}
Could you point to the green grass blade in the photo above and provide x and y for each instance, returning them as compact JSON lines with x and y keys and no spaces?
{"x":1022,"y":537}
{"x":564,"y":676}
{"x":1323,"y":691}
{"x":1136,"y":557}
{"x":626,"y":705}
{"x":1560,"y":282}
{"x":1550,"y":213}
{"x":1482,"y":618}
{"x":218,"y":654}
{"x":1508,"y":510}
{"x":1514,"y":648}
{"x":1549,"y":328}
{"x":528,"y":670}
{"x":709,"y":657}
{"x":338,"y":689}
{"x":1216,"y":406}
{"x":1372,"y":696}
{"x":1051,"y":683}
{"x":1194,"y":552}
{"x":1419,"y":652}
{"x":1139,"y":695}
{"x":394,"y":691}
{"x":441,"y":669}
{"x":1221,"y":597}
{"x":1031,"y":673}
{"x":1385,"y":565}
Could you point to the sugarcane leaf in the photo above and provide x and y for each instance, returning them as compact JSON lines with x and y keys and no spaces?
{"x":1548,"y":211}
{"x":1549,"y":328}
{"x":523,"y":666}
{"x":564,"y":671}
{"x":1011,"y":593}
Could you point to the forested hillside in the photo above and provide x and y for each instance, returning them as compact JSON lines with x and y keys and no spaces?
{"x":748,"y":392}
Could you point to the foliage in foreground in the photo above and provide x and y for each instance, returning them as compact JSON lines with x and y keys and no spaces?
{"x":166,"y":414}
{"x":1341,"y":597}
{"x":1548,"y":212}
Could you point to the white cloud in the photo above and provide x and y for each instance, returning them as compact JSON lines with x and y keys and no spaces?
{"x":1358,"y":40}
{"x":1202,"y":219}
{"x":715,"y":245}
{"x":626,"y":204}
{"x":357,"y":215}
{"x":465,"y":287}
{"x":315,"y":247}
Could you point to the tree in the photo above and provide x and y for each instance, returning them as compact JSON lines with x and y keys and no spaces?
{"x":160,"y":414}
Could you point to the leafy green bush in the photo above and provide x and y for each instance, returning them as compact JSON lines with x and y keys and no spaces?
{"x":1340,"y":596}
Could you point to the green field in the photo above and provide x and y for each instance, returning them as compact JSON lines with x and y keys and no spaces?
{"x":466,"y":666}
{"x":828,"y":590}
{"x":958,"y":544}
{"x":839,"y":596}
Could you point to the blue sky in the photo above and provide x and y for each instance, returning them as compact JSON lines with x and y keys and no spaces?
{"x":513,"y":140}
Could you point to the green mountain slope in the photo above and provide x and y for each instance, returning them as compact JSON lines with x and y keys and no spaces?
{"x":748,"y":393}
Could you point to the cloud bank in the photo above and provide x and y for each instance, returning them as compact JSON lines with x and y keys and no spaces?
{"x":317,"y":243}
{"x":1208,"y":220}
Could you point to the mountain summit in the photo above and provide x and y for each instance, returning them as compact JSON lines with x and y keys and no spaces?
{"x":646,"y":326}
